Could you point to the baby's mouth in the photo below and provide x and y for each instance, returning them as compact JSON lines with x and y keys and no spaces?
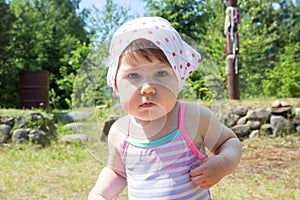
{"x":147,"y":105}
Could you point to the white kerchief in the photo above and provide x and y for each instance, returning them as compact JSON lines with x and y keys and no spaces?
{"x":182,"y":57}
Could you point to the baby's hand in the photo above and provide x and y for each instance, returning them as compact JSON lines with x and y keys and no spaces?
{"x":210,"y":172}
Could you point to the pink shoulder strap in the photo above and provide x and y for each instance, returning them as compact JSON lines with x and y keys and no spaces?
{"x":186,"y":135}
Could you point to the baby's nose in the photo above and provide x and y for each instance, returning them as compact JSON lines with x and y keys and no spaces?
{"x":147,"y":88}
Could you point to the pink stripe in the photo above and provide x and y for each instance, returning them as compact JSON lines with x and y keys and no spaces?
{"x":186,"y":135}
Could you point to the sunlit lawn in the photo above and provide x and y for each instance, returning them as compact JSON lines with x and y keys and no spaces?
{"x":270,"y":169}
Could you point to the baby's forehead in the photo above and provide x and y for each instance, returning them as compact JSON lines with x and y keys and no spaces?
{"x":129,"y":62}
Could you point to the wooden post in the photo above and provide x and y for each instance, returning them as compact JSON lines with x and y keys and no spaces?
{"x":232,"y":48}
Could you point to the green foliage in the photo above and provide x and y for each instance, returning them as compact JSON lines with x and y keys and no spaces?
{"x":68,"y":75}
{"x":187,"y":16}
{"x":201,"y":25}
{"x":8,"y":89}
{"x":51,"y":35}
{"x":198,"y":86}
{"x":41,"y":37}
{"x":90,"y":87}
{"x":269,"y":37}
{"x":284,"y":79}
{"x":267,"y":30}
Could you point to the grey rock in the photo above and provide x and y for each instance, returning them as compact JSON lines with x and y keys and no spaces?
{"x":238,"y":110}
{"x":262,"y":115}
{"x":231,"y":119}
{"x":296,"y":120}
{"x":38,"y":137}
{"x":75,"y":126}
{"x":108,"y":123}
{"x":266,"y":129}
{"x":276,"y":104}
{"x":297,"y":112}
{"x":285,"y":104}
{"x":8,"y":121}
{"x":4,"y":133}
{"x":298,"y":129}
{"x":19,"y":136}
{"x":282,"y":111}
{"x":279,"y":125}
{"x":254,"y":133}
{"x":72,"y":138}
{"x":74,"y":116}
{"x":242,"y":120}
{"x":253,"y":124}
{"x":241,"y":130}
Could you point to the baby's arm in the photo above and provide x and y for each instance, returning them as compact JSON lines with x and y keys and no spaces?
{"x":108,"y":185}
{"x":112,"y":179}
{"x":222,"y":142}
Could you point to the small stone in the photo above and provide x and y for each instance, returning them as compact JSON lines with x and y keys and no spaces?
{"x":19,"y":136}
{"x":242,"y":120}
{"x":297,"y":112}
{"x":276,"y":104}
{"x":72,"y":138}
{"x":298,"y":129}
{"x":281,"y":111}
{"x":241,"y":130}
{"x":75,"y":116}
{"x":279,"y":125}
{"x":38,"y":137}
{"x":4,"y":132}
{"x":253,"y":124}
{"x":262,"y":115}
{"x":75,"y":126}
{"x":284,"y":104}
{"x":254,"y":133}
{"x":266,"y":129}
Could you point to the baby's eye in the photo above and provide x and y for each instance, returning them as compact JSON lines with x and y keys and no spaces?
{"x":133,"y":76}
{"x":161,"y":74}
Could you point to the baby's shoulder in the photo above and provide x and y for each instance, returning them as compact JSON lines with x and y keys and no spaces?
{"x":118,"y":131}
{"x":194,"y":109}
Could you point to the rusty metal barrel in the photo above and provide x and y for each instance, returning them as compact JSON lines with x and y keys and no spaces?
{"x":34,"y":89}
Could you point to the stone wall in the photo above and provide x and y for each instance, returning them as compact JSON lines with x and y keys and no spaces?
{"x":34,"y":128}
{"x":279,"y":119}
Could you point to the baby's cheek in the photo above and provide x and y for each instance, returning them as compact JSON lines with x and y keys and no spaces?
{"x":126,"y":96}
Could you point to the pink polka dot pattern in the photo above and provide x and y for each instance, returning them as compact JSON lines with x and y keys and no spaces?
{"x":180,"y":55}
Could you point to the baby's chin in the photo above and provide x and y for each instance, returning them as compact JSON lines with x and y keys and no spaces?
{"x":151,"y":116}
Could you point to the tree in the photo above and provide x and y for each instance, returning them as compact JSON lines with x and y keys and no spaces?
{"x":202,"y":23}
{"x":187,"y":17}
{"x":90,"y":85}
{"x":267,"y":29}
{"x":284,"y":79}
{"x":42,"y":37}
{"x":8,"y":89}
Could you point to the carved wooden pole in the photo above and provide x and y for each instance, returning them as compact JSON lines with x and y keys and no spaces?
{"x":232,"y":48}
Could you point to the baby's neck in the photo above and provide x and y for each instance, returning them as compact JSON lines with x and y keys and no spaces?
{"x":154,"y":129}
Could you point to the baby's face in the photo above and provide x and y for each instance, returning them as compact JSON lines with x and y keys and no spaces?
{"x":147,"y":90}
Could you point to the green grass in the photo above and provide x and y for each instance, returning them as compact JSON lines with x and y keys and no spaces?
{"x":55,"y":172}
{"x":269,"y":169}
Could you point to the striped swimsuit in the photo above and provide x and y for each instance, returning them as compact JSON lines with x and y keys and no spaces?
{"x":159,"y":169}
